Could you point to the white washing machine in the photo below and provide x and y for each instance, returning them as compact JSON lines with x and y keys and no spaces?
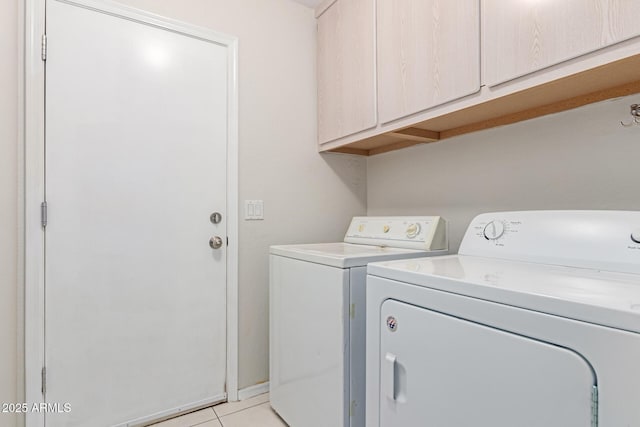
{"x":536,"y":322}
{"x":317,"y":316}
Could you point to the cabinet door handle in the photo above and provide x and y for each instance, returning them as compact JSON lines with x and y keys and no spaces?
{"x":388,"y":376}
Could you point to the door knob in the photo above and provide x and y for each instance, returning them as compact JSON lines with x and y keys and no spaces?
{"x":215,"y":242}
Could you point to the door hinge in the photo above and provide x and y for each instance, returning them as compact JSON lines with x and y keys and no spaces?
{"x":43,"y":214}
{"x":44,"y":380}
{"x":43,"y":51}
{"x":594,"y":406}
{"x":352,"y":311}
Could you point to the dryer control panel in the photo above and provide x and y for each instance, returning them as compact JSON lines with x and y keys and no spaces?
{"x":606,"y":240}
{"x":421,"y":232}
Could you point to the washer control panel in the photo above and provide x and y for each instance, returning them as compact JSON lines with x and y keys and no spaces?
{"x":424,"y":232}
{"x":606,"y":240}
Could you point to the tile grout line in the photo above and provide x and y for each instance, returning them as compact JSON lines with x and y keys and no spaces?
{"x":239,"y":410}
{"x":214,"y":413}
{"x":243,"y":409}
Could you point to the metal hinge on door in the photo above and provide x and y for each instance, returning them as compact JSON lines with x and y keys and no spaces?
{"x":594,"y":406}
{"x":43,"y":214}
{"x":44,"y":47}
{"x":44,"y":380}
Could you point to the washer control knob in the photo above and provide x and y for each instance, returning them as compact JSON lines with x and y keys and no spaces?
{"x":635,"y":236}
{"x":494,"y":230}
{"x":413,"y":230}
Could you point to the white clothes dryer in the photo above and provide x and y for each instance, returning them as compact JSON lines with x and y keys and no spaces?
{"x":317,"y":316}
{"x":536,"y":322}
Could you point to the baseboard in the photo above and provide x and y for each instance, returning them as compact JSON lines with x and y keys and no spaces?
{"x":254,"y":390}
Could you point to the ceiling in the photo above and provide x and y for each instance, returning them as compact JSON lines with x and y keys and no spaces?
{"x":310,"y":3}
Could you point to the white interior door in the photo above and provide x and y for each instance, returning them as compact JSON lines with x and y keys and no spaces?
{"x":136,"y":137}
{"x":442,"y":371}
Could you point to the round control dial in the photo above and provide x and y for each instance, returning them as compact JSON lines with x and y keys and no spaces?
{"x":494,"y":230}
{"x":635,"y":236}
{"x":413,"y":230}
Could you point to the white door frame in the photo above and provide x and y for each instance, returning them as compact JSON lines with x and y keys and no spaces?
{"x":34,"y":186}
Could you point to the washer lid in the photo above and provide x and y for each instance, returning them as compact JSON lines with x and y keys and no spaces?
{"x":604,"y":298}
{"x":346,"y":255}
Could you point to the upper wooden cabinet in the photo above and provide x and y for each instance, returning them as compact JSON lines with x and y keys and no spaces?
{"x":521,"y":37}
{"x":394,"y":73}
{"x":428,"y":54}
{"x":346,"y":69}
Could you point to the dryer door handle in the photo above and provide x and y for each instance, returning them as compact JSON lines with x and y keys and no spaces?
{"x":388,"y":376}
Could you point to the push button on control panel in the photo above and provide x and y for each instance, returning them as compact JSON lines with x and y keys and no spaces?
{"x":635,"y":236}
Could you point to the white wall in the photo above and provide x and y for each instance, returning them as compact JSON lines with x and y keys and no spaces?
{"x":307,"y":197}
{"x":8,"y":204}
{"x":579,"y":159}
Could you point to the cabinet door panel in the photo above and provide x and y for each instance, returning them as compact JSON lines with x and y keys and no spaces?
{"x":521,"y":37}
{"x":428,"y":54}
{"x":346,"y":69}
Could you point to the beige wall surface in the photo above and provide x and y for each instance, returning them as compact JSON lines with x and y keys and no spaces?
{"x":307,"y":197}
{"x":8,"y":204}
{"x":579,"y":159}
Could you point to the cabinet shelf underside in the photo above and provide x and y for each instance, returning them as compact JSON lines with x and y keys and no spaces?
{"x":616,"y":79}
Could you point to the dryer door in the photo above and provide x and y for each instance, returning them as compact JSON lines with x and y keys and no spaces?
{"x":442,"y":371}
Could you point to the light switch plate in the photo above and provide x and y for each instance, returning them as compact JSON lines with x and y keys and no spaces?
{"x":253,"y":210}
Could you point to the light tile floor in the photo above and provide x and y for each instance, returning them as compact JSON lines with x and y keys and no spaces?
{"x":254,"y":412}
